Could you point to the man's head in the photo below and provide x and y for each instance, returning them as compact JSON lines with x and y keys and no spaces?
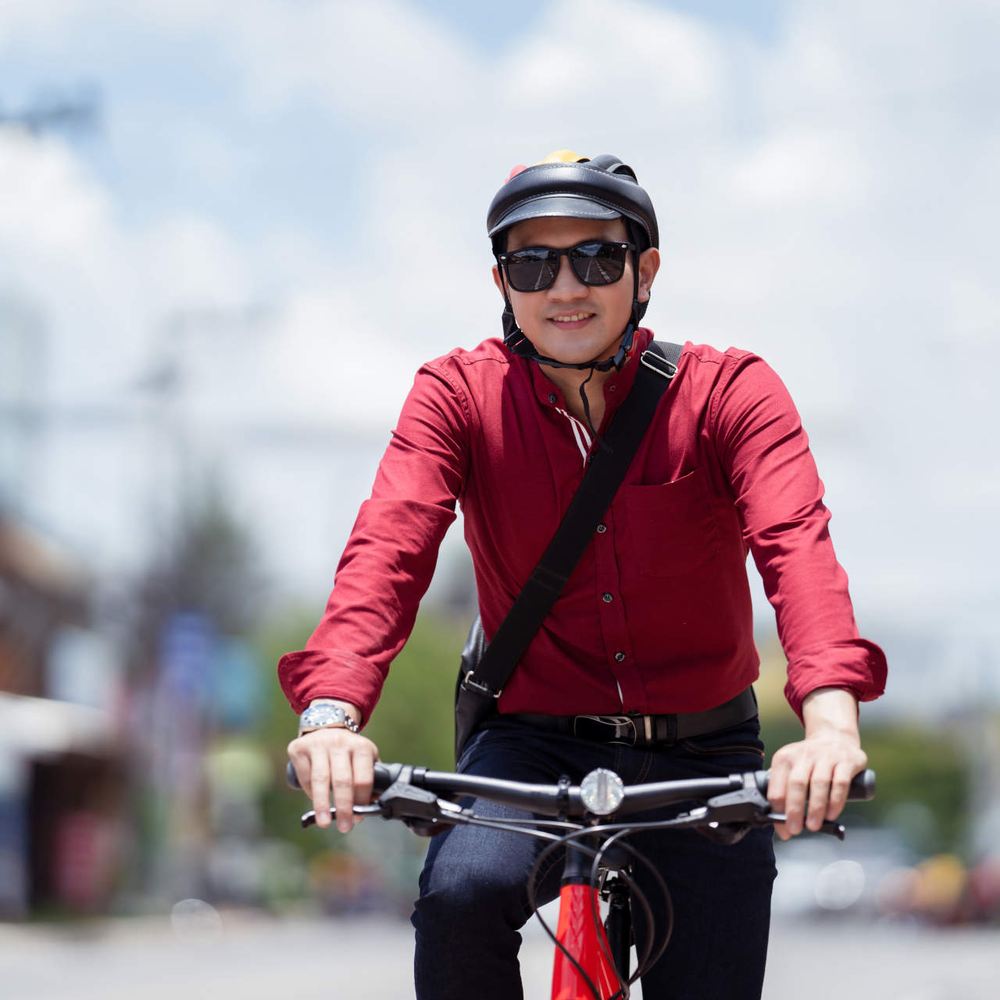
{"x":573,"y":306}
{"x":602,"y":275}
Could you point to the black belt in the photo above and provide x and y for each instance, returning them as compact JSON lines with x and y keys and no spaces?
{"x":647,"y":730}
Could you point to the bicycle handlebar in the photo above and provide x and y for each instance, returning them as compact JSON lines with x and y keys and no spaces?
{"x":555,"y":800}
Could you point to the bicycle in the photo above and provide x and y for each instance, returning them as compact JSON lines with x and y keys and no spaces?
{"x":592,"y":956}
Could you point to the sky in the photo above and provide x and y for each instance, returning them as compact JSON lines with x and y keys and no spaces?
{"x":279,"y":211}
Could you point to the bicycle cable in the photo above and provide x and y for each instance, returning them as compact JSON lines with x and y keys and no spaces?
{"x":637,"y":894}
{"x":646,"y":959}
{"x":533,"y":905}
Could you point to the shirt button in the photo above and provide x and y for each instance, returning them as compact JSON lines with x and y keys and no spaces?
{"x":552,"y":397}
{"x":606,"y":597}
{"x":601,"y":528}
{"x":612,"y":388}
{"x":619,"y":656}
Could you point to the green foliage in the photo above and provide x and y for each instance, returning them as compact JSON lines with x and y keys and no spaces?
{"x":415,"y":719}
{"x":916,"y":764}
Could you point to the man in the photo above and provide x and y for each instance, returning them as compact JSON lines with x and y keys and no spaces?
{"x":655,"y":622}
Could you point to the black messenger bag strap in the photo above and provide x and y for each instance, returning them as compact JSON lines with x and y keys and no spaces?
{"x":482,"y":684}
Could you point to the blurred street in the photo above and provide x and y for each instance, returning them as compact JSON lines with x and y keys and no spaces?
{"x":254,"y":957}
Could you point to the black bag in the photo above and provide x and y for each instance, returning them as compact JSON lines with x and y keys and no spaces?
{"x":485,"y":668}
{"x":472,"y":707}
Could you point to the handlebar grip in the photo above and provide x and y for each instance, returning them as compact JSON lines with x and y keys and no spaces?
{"x":862,"y":787}
{"x":385,"y":775}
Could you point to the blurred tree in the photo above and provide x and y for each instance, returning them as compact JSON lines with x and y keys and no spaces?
{"x":203,"y":584}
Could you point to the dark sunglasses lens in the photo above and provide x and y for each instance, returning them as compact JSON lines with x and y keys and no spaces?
{"x":532,"y":269}
{"x":598,"y":263}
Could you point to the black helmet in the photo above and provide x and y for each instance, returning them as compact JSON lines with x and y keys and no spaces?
{"x":568,"y":185}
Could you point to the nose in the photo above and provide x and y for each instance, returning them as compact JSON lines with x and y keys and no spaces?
{"x":567,"y":285}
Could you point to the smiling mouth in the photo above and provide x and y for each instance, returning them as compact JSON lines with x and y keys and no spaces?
{"x":574,"y":318}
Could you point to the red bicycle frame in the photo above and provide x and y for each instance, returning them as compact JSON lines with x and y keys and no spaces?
{"x":585,"y":939}
{"x":578,"y":935}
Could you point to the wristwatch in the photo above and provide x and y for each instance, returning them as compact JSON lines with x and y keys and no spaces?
{"x":325,"y":716}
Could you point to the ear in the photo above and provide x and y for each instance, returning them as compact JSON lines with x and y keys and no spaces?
{"x":649,"y":264}
{"x":497,"y":280}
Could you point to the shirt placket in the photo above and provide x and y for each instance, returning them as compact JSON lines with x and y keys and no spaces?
{"x":614,"y":628}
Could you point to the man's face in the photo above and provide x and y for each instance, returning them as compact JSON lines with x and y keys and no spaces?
{"x":570,"y":321}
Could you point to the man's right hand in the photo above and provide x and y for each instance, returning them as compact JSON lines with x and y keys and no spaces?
{"x":339,"y":759}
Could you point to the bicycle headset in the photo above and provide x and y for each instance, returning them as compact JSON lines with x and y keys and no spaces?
{"x":568,"y":185}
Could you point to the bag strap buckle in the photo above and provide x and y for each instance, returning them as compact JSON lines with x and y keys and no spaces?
{"x":658,"y":364}
{"x":478,"y":686}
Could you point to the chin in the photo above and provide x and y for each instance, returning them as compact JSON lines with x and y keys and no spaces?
{"x":572,"y":352}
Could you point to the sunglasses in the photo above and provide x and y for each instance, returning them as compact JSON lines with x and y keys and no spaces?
{"x":533,"y":269}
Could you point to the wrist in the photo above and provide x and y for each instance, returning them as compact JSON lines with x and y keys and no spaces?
{"x":351,"y":709}
{"x":329,"y":713}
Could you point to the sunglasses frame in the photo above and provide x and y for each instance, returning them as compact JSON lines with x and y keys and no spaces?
{"x":504,"y":260}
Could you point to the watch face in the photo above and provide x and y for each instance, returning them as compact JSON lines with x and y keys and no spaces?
{"x":323,"y":715}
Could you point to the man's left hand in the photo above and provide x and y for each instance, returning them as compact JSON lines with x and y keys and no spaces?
{"x":816,"y":772}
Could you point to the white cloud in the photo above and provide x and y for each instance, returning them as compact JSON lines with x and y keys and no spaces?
{"x":812,"y":168}
{"x":327,"y":361}
{"x":49,"y":202}
{"x":827,"y":199}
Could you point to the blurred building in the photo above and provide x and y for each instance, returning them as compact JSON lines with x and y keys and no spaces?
{"x":58,"y":758}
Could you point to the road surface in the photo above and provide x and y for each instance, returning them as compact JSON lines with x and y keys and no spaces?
{"x":248,"y":956}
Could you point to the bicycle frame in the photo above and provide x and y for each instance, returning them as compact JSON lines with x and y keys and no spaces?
{"x":589,"y":942}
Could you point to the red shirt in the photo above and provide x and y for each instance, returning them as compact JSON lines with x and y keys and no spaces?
{"x":656,"y":617}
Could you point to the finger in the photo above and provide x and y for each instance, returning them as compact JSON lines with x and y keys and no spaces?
{"x":776,"y":785}
{"x":364,"y":773}
{"x":795,"y":797}
{"x":819,"y":795}
{"x":300,"y":763}
{"x":342,"y":779}
{"x":842,"y":775}
{"x":319,"y":787}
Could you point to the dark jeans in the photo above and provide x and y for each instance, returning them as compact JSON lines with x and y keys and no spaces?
{"x":473,"y":895}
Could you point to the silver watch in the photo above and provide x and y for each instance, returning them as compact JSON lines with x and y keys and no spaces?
{"x":326,"y":716}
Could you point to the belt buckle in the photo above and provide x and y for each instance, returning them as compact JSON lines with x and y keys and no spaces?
{"x":624,"y":727}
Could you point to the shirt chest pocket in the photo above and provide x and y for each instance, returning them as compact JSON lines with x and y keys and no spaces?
{"x":670,"y":528}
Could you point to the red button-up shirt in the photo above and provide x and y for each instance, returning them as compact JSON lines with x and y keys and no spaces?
{"x":656,"y":617}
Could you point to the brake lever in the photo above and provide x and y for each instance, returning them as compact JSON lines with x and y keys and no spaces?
{"x":309,"y":818}
{"x":837,"y":830}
